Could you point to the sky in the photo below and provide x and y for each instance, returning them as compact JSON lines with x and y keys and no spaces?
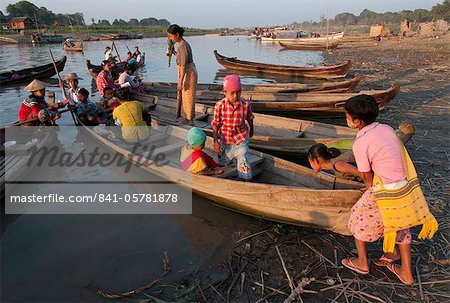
{"x":223,"y":13}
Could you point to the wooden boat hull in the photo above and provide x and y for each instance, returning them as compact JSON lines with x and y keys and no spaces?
{"x":333,"y":37}
{"x":78,"y":48}
{"x":290,"y":138}
{"x":305,"y":46}
{"x":309,"y":102}
{"x":295,"y":194}
{"x":322,"y":72}
{"x":347,"y":86}
{"x":29,"y":74}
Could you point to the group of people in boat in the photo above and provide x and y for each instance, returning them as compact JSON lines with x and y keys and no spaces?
{"x":378,"y":158}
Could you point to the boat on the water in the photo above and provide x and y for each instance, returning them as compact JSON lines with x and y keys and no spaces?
{"x":302,"y":104}
{"x":346,"y":86}
{"x":95,"y":69}
{"x":309,"y":46}
{"x":280,"y":190}
{"x":29,"y":74}
{"x":323,"y":72}
{"x":284,"y":137}
{"x":323,"y":38}
{"x":77,"y":48}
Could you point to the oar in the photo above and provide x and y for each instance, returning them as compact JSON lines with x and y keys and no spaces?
{"x":36,"y":119}
{"x":62,"y":86}
{"x":128,"y":48}
{"x":115,"y":47}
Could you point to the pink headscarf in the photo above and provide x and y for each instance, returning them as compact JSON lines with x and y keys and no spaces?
{"x":232,"y":83}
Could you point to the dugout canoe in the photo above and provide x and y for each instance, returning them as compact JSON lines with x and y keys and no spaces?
{"x":16,"y":145}
{"x":346,"y":86}
{"x":77,"y":48}
{"x":323,"y":72}
{"x":280,"y":191}
{"x":284,"y":137}
{"x":330,"y":37}
{"x":29,"y":74}
{"x":309,"y":46}
{"x":307,"y":104}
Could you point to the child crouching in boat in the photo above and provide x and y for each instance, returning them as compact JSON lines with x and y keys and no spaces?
{"x":233,"y":127}
{"x":320,"y":157}
{"x":195,"y":160}
{"x":393,"y":201}
{"x":87,"y":111}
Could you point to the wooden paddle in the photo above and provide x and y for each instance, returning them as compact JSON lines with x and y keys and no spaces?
{"x":61,"y":85}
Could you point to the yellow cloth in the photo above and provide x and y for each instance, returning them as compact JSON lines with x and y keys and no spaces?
{"x":197,"y":165}
{"x":133,"y":126}
{"x":405,"y":207}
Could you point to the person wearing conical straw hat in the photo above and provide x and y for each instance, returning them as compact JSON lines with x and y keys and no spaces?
{"x":72,"y":81}
{"x":35,"y":105}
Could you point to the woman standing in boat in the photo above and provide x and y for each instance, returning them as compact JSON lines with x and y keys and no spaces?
{"x":187,"y":73}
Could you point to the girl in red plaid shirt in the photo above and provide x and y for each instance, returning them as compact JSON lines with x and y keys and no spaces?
{"x":233,"y":125}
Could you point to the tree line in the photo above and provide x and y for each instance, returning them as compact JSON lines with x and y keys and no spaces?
{"x":368,"y":17}
{"x":44,"y":16}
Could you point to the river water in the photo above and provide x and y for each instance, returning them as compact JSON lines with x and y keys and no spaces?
{"x":60,"y":257}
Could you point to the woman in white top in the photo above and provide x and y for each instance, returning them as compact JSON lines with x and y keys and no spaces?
{"x":125,"y":79}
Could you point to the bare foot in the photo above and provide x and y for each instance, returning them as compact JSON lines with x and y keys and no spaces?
{"x":403,"y":274}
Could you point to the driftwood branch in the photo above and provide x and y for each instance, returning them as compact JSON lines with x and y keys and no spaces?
{"x":128,"y":294}
{"x":299,"y":289}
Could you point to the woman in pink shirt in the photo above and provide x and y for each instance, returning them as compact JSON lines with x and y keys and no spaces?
{"x":377,"y":150}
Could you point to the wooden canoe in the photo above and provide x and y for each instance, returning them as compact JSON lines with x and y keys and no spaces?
{"x":289,"y":138}
{"x":281,"y":190}
{"x":307,"y":104}
{"x":29,"y":74}
{"x":309,"y":46}
{"x":78,"y":48}
{"x":14,"y":155}
{"x":347,"y":86}
{"x":323,"y":72}
{"x":323,"y":38}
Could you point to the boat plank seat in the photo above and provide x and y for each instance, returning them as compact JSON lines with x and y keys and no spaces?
{"x":230,"y":171}
{"x":169,"y":148}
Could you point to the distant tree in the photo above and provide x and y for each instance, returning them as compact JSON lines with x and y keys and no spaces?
{"x":368,"y":17}
{"x":422,"y":15}
{"x":148,"y":22}
{"x":345,"y":19}
{"x":120,"y":22}
{"x":439,"y":11}
{"x":104,"y":22}
{"x":133,"y":22}
{"x":407,"y":14}
{"x":42,"y":14}
{"x":163,"y":23}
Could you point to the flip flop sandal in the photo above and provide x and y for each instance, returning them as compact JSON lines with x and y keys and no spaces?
{"x":391,"y":268}
{"x":349,"y":264}
{"x":384,"y":261}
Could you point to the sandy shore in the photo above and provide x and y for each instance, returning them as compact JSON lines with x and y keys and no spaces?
{"x":256,"y":274}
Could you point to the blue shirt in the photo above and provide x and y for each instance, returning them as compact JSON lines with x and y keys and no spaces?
{"x":83,"y":108}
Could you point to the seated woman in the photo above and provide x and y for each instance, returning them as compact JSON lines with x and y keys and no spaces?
{"x":193,"y":159}
{"x":131,"y":116}
{"x":125,"y":80}
{"x":321,"y":157}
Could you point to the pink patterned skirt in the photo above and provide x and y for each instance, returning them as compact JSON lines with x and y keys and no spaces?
{"x":366,"y":223}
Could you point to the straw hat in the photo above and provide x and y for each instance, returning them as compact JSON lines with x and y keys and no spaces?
{"x":36,"y":85}
{"x":72,"y":76}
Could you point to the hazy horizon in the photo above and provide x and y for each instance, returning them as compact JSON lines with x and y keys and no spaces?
{"x":230,"y":13}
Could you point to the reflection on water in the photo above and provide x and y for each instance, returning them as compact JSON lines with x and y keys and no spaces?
{"x":57,"y":256}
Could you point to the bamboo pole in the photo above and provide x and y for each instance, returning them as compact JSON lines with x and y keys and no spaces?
{"x":61,"y":85}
